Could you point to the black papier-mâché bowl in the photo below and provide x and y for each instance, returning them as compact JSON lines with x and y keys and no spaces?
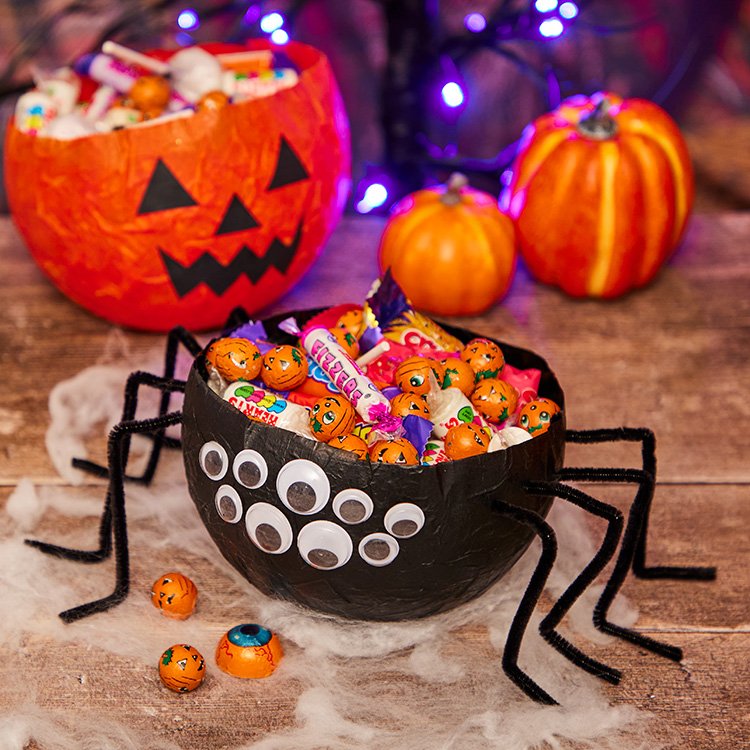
{"x":461,"y":549}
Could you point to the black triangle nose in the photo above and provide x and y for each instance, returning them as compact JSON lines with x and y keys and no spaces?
{"x":237,"y":218}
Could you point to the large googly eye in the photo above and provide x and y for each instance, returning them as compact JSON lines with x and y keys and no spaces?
{"x":268,"y":528}
{"x":324,"y":545}
{"x":213,"y":460}
{"x":378,"y":549}
{"x":228,"y":504}
{"x":303,"y":486}
{"x":250,"y":469}
{"x":404,"y":520}
{"x":352,"y":506}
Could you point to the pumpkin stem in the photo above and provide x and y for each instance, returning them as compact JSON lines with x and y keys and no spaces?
{"x":452,"y":194}
{"x":598,"y":124}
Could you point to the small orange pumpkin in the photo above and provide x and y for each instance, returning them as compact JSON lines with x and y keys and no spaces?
{"x":485,"y":357}
{"x":450,"y":248}
{"x":396,"y":451}
{"x":413,"y":374}
{"x":404,"y":404}
{"x":234,"y":359}
{"x":601,"y":191}
{"x":182,"y":668}
{"x":331,"y":416}
{"x":465,"y":440}
{"x":494,"y":399}
{"x":350,"y":443}
{"x":458,"y":374}
{"x":284,"y":367}
{"x":535,"y":416}
{"x":175,"y":595}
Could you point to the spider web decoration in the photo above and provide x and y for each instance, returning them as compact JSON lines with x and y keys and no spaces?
{"x":409,"y":685}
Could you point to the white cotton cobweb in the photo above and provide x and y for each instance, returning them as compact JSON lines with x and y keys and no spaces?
{"x":422,"y":685}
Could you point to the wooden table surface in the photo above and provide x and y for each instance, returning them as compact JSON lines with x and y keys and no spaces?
{"x":673,"y":357}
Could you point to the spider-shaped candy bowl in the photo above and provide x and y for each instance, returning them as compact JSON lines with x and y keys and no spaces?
{"x":312,"y":524}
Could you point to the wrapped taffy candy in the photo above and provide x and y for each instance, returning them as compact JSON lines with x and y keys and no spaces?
{"x":264,"y":406}
{"x":434,"y":452}
{"x":400,"y":322}
{"x":448,"y":408}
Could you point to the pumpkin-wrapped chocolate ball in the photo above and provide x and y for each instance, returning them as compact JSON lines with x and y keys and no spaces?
{"x":331,"y":416}
{"x":419,"y":375}
{"x":348,"y":341}
{"x":494,"y":399}
{"x":175,"y":595}
{"x":284,"y":367}
{"x":535,"y":416}
{"x":351,"y":443}
{"x":396,"y":451}
{"x":485,"y":357}
{"x":182,"y":668}
{"x":234,"y":359}
{"x":465,"y":440}
{"x":352,"y":321}
{"x":458,"y":374}
{"x":404,"y":404}
{"x":249,"y":650}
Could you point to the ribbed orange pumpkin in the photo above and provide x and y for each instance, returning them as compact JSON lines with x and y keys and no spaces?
{"x":450,"y":249}
{"x":601,"y":191}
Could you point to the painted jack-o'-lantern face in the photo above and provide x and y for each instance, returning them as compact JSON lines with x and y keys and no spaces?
{"x":397,"y":451}
{"x":352,"y":321}
{"x":413,"y":374}
{"x":466,"y":439}
{"x":175,"y":595}
{"x":404,"y":404}
{"x":535,"y":416}
{"x":249,"y":651}
{"x":494,"y":399}
{"x":182,"y":668}
{"x":284,"y":367}
{"x":179,"y":222}
{"x":234,"y":359}
{"x":458,"y":374}
{"x":330,"y":417}
{"x":347,"y":340}
{"x":485,"y":357}
{"x":350,"y":443}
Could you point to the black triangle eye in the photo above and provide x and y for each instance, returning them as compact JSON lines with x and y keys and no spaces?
{"x":237,"y":218}
{"x":164,"y":192}
{"x":289,"y":168}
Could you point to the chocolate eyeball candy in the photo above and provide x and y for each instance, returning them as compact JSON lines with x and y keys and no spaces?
{"x":330,"y":417}
{"x":535,"y":416}
{"x":458,"y":374}
{"x":347,"y":340}
{"x":467,"y":439}
{"x":350,"y":443}
{"x":484,"y":357}
{"x":494,"y":399}
{"x":249,"y":651}
{"x":352,"y":321}
{"x":150,"y":95}
{"x":284,"y":367}
{"x":182,"y":668}
{"x":396,"y":451}
{"x":175,"y":595}
{"x":413,"y":374}
{"x":234,"y":359}
{"x":404,"y":404}
{"x":212,"y":101}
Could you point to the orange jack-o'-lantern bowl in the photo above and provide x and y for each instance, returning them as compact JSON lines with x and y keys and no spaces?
{"x":179,"y":222}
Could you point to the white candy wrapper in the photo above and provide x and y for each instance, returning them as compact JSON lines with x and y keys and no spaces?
{"x":345,"y":374}
{"x":448,"y":408}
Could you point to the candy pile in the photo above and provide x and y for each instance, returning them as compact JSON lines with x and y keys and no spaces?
{"x":383,"y":382}
{"x":120,"y":88}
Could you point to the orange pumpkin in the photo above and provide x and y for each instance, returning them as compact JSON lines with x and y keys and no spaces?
{"x":182,"y":668}
{"x":179,"y":222}
{"x":601,"y":191}
{"x":414,"y":375}
{"x":350,"y":443}
{"x":404,"y":404}
{"x":494,"y":399}
{"x":450,"y":249}
{"x":175,"y":595}
{"x":535,"y":416}
{"x":284,"y":367}
{"x":396,"y":451}
{"x":234,"y":359}
{"x":465,"y":440}
{"x":458,"y":374}
{"x":331,"y":416}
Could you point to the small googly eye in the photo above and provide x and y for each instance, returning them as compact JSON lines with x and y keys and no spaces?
{"x":213,"y":460}
{"x":352,"y":506}
{"x":324,"y":545}
{"x":268,"y":528}
{"x":378,"y":549}
{"x":228,"y":504}
{"x":250,"y":469}
{"x":404,"y":520}
{"x":303,"y":486}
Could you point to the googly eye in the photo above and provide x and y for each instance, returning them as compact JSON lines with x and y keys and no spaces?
{"x":352,"y":506}
{"x":404,"y":520}
{"x":228,"y":504}
{"x":303,"y":486}
{"x":268,"y":528}
{"x":250,"y":469}
{"x":378,"y":549}
{"x":324,"y":545}
{"x":213,"y":460}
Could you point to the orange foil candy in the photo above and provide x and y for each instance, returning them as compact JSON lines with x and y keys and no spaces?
{"x":175,"y":595}
{"x":182,"y":668}
{"x":249,"y":651}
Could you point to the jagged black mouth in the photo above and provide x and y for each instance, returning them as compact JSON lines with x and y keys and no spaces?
{"x":207,"y":270}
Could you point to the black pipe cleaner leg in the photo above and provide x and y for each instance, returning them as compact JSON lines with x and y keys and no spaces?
{"x":236,"y":318}
{"x":119,"y":437}
{"x":647,"y":485}
{"x":104,"y":549}
{"x":178,"y":335}
{"x":585,"y":578}
{"x":529,"y":600}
